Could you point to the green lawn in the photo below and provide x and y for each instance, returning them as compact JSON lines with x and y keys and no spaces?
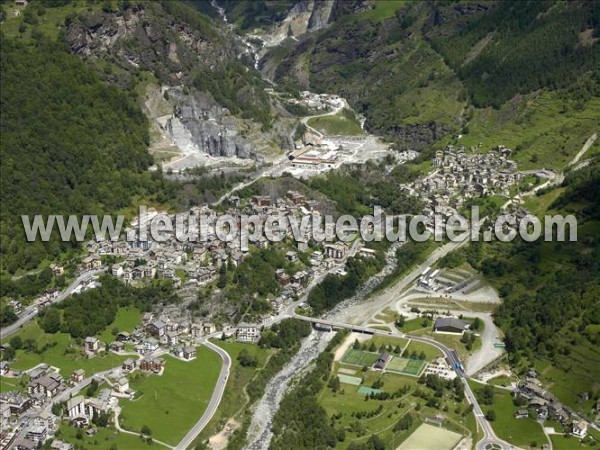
{"x":430,"y":351}
{"x":501,"y":380}
{"x":560,"y":442}
{"x":343,"y":123}
{"x":382,"y":9}
{"x":535,"y":125}
{"x":50,"y":23}
{"x":9,"y":384}
{"x":573,"y":375}
{"x":414,"y":324}
{"x":170,"y":404}
{"x":104,"y":439}
{"x":126,"y":320}
{"x":62,"y":351}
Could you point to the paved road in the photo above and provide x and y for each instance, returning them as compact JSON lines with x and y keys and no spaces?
{"x":214,"y":400}
{"x":490,"y":440}
{"x":32,"y":311}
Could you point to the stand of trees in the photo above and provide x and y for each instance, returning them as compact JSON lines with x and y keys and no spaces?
{"x":90,"y":312}
{"x":71,"y":144}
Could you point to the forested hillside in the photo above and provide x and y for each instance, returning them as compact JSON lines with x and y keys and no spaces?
{"x":70,"y":144}
{"x":550,"y":291}
{"x":421,"y":72}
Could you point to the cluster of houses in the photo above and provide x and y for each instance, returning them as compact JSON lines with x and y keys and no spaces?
{"x":462,"y":174}
{"x":546,"y":406}
{"x":197,"y":262}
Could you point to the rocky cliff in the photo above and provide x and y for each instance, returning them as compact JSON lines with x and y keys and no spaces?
{"x":198,"y":123}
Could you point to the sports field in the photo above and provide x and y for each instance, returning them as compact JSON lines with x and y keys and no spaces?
{"x":406,"y":366}
{"x":428,"y":437}
{"x":350,"y":380}
{"x":359,"y":358}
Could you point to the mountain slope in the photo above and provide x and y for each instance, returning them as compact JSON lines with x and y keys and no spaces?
{"x":70,"y":144}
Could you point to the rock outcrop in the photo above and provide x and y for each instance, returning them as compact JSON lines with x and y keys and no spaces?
{"x":198,"y":123}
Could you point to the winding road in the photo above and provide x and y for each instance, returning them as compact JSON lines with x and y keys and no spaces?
{"x":32,"y":311}
{"x":215,"y":400}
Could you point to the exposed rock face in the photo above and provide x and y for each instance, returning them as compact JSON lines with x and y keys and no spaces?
{"x":200,"y":124}
{"x":146,"y":37}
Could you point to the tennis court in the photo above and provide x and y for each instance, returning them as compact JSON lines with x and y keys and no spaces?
{"x":368,"y":390}
{"x":428,"y":437}
{"x":406,"y":366}
{"x":360,"y":358}
{"x":349,"y":380}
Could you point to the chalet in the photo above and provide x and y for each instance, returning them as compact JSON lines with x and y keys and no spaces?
{"x":579,"y":429}
{"x":177,"y":351}
{"x":150,"y":345}
{"x":91,"y":344}
{"x":91,"y":262}
{"x":521,"y":413}
{"x":450,"y":325}
{"x":123,"y":336}
{"x":157,"y":328}
{"x":381,"y":361}
{"x":196,"y":330}
{"x":117,"y":346}
{"x":57,"y":270}
{"x":291,"y":256}
{"x":282,"y":277}
{"x":17,"y":403}
{"x":246,"y":332}
{"x":209,"y":328}
{"x":61,"y":445}
{"x":152,"y":364}
{"x":47,"y":385}
{"x":172,"y":338}
{"x":189,"y":353}
{"x":129,"y":364}
{"x":116,"y":270}
{"x":78,"y":376}
{"x":121,"y":385}
{"x":335,"y":251}
{"x":37,"y":433}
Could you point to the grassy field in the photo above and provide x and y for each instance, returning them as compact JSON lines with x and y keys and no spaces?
{"x":501,"y":380}
{"x":61,"y":351}
{"x":9,"y":384}
{"x":343,"y":123}
{"x":560,"y":442}
{"x":430,"y":352}
{"x":172,"y":403}
{"x":520,"y":432}
{"x":347,"y":402}
{"x":537,"y":126}
{"x":104,"y":439}
{"x":126,"y":320}
{"x":382,"y":9}
{"x":234,"y":397}
{"x":428,"y":437}
{"x":359,"y":358}
{"x":49,"y":24}
{"x":406,"y":366}
{"x":572,"y":376}
{"x":414,"y":325}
